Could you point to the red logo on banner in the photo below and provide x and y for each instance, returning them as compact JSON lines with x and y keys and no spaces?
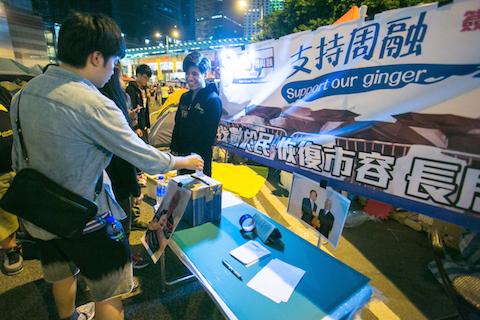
{"x":471,"y":21}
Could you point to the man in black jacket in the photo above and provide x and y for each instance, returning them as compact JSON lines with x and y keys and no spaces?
{"x":137,"y":90}
{"x":309,"y":207}
{"x":198,"y":113}
{"x":326,"y":219}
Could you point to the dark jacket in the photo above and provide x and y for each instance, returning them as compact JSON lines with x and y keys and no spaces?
{"x":122,"y":174}
{"x":326,"y":222}
{"x":124,"y":178}
{"x":307,"y":210}
{"x":196,"y":124}
{"x":136,"y":96}
{"x":6,"y":133}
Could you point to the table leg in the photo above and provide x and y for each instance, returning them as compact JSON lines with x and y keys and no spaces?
{"x":163,"y":277}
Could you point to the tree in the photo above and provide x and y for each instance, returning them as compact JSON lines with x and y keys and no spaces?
{"x":300,"y":15}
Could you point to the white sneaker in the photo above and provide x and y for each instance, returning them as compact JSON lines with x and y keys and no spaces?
{"x":86,"y":311}
{"x":12,"y":261}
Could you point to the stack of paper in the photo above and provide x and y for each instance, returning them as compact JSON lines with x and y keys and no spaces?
{"x":249,"y":253}
{"x":277,"y":280}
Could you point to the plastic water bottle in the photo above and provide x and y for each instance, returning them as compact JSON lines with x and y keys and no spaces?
{"x":161,"y":189}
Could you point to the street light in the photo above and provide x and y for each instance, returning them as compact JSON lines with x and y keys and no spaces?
{"x":175,"y":34}
{"x":158,"y":35}
{"x":243,"y":4}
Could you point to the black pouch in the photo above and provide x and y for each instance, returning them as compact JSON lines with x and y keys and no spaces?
{"x":36,"y":198}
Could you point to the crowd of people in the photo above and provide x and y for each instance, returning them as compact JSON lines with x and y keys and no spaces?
{"x":82,"y":125}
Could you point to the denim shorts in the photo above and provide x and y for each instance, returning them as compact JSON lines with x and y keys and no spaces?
{"x":104,"y":263}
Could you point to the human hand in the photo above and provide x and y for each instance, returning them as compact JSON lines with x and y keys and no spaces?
{"x":315,"y":222}
{"x":193,"y":162}
{"x":132,"y":113}
{"x":155,"y":225}
{"x":138,"y":200}
{"x":139,"y":132}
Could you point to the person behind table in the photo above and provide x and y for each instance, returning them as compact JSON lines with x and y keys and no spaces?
{"x":198,"y":113}
{"x":309,"y":207}
{"x":11,"y":251}
{"x":72,"y":141}
{"x":137,"y":90}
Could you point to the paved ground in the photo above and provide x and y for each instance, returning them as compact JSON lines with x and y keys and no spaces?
{"x":392,"y":255}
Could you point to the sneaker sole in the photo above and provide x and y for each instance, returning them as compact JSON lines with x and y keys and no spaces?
{"x":12,"y":273}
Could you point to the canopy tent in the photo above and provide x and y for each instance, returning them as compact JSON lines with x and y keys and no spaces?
{"x":161,"y":132}
{"x":164,"y":120}
{"x":36,"y":70}
{"x":11,"y":69}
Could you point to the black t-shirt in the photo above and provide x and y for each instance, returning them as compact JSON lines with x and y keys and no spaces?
{"x":6,"y":133}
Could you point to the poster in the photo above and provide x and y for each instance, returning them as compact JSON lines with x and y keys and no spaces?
{"x":322,"y":209}
{"x":165,"y":220}
{"x":386,"y":108}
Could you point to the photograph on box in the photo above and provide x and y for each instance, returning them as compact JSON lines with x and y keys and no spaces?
{"x":324,"y":210}
{"x":166,"y":219}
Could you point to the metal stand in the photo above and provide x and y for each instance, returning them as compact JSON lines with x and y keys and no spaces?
{"x":163,"y":276}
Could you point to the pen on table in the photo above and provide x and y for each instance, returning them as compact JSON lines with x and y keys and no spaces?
{"x":230,"y":268}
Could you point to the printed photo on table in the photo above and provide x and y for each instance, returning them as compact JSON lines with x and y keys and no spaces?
{"x":324,"y":210}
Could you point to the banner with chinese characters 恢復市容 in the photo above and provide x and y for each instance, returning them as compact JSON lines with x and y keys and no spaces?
{"x":387,"y":108}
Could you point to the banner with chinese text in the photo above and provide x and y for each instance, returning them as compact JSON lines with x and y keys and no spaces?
{"x":391,"y":104}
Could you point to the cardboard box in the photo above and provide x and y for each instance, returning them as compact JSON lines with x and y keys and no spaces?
{"x":152,"y":182}
{"x":205,"y":204}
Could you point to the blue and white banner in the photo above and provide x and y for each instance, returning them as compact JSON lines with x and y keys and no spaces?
{"x":388,"y":108}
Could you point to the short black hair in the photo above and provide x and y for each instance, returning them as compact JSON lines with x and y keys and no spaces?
{"x":144,"y":69}
{"x":196,"y":59}
{"x":314,"y":191}
{"x":84,"y":33}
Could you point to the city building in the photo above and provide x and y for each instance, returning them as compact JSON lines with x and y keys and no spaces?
{"x":188,"y":19}
{"x":276,"y":5}
{"x":22,"y":33}
{"x":256,"y":10}
{"x":214,"y":21}
{"x":139,"y":20}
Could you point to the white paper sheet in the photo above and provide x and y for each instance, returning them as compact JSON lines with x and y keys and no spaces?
{"x":277,"y":280}
{"x":249,"y":253}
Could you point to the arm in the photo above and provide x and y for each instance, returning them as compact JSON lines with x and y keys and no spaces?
{"x":147,"y":114}
{"x":131,"y":92}
{"x":108,"y":128}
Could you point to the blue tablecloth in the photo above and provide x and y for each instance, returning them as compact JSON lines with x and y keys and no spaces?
{"x":328,"y":288}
